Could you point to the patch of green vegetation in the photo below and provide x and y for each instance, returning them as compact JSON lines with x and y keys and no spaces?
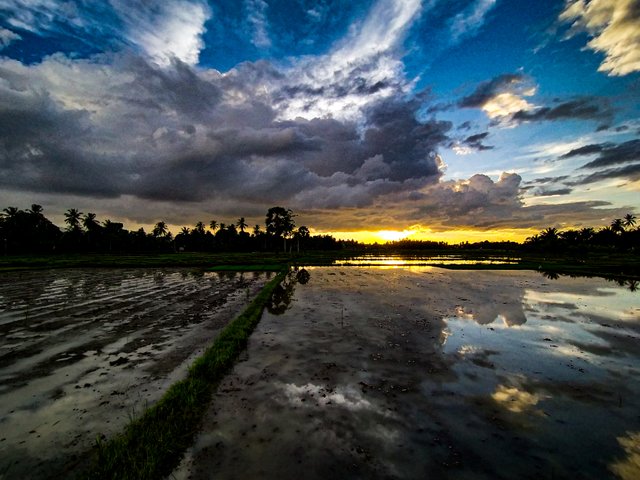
{"x":152,"y":445}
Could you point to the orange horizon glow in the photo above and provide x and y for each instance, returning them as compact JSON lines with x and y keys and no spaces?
{"x":448,"y":236}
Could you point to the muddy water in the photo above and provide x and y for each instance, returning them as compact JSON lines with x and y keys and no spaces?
{"x":81,"y":351}
{"x":427,"y":373}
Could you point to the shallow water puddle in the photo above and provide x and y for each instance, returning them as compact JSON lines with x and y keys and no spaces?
{"x":429,"y":373}
{"x":81,"y":351}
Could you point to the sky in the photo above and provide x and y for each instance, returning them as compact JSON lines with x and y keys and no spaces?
{"x":454,"y":120}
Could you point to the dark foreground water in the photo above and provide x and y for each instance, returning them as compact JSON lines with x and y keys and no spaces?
{"x":83,"y":351}
{"x":427,"y":373}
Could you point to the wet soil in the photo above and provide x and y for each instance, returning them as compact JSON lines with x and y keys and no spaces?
{"x":428,"y":373}
{"x":84,"y":351}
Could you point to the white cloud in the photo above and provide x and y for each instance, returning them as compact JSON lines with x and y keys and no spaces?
{"x":370,"y":55}
{"x":257,"y":18}
{"x":7,"y":37}
{"x":506,"y":104}
{"x":172,"y":30}
{"x":469,"y":22}
{"x":614,"y":26}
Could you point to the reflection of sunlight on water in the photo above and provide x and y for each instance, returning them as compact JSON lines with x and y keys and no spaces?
{"x":426,"y":260}
{"x":516,"y":400}
{"x":629,"y":468}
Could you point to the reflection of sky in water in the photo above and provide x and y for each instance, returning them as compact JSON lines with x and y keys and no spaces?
{"x":572,"y":360}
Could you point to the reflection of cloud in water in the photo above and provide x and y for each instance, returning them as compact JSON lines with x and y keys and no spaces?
{"x":629,"y":467}
{"x":348,"y":398}
{"x":601,"y":302}
{"x":511,"y":314}
{"x":516,"y":400}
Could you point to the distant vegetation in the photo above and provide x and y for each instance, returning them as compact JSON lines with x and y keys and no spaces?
{"x":30,"y":232}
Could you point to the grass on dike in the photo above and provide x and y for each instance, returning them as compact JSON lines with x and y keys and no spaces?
{"x":152,"y":445}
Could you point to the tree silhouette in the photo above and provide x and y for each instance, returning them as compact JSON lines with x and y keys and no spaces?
{"x":629,"y":220}
{"x":36,"y":210}
{"x":160,"y":229}
{"x":213,"y":225}
{"x":89,"y":222}
{"x":199,"y":228}
{"x":279,"y":223}
{"x":72,"y":219}
{"x":10,"y":213}
{"x":241,"y":224}
{"x":617,"y":225}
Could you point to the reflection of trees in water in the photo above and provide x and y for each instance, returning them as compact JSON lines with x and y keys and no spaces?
{"x":283,"y":293}
{"x":631,"y":284}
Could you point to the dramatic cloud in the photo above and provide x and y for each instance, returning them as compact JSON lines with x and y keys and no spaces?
{"x":361,"y":69}
{"x":502,"y":96}
{"x":614,"y":26}
{"x":171,"y":132}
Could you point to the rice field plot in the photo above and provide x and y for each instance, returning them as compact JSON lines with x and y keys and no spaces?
{"x":82,"y":351}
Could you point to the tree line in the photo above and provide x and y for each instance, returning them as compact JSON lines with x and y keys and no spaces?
{"x":622,"y":234}
{"x":29,"y":231}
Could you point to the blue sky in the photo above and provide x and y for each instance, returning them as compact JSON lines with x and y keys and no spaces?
{"x":481,"y":117}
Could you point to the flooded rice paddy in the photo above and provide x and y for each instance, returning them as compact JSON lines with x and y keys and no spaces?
{"x":420,"y":372}
{"x":82,"y":351}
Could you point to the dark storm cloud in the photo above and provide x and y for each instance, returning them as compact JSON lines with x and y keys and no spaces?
{"x":615,"y":154}
{"x":488,"y":90}
{"x":586,"y":108}
{"x":175,"y":133}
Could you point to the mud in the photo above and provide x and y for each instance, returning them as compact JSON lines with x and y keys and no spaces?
{"x":427,"y":373}
{"x":83,"y":351}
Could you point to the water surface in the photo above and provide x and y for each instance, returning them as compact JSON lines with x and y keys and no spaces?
{"x":83,"y":351}
{"x":421,"y":372}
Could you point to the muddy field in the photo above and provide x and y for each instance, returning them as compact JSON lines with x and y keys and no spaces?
{"x":427,"y":373}
{"x":82,"y":351}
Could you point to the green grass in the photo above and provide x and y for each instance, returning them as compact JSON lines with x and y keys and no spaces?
{"x":151,"y":446}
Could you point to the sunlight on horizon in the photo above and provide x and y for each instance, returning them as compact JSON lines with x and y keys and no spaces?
{"x":449,"y":236}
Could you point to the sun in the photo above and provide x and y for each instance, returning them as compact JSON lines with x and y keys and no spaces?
{"x":391,"y":235}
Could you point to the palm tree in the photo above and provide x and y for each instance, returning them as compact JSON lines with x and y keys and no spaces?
{"x":199,"y":228}
{"x":160,"y":230}
{"x":72,"y":218}
{"x":256,"y":230}
{"x":617,"y":225}
{"x":36,"y":210}
{"x":10,"y":212}
{"x":586,"y":234}
{"x":213,"y":225}
{"x":550,"y":234}
{"x":629,"y":220}
{"x":185,"y":231}
{"x":242,"y":224}
{"x":89,"y":221}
